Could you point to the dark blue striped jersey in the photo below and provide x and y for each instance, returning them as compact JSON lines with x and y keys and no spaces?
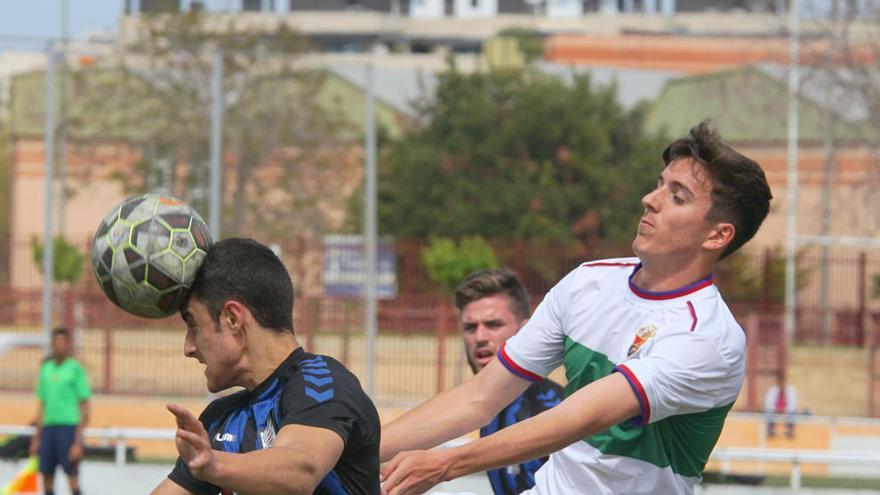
{"x":306,"y":389}
{"x":539,"y":397}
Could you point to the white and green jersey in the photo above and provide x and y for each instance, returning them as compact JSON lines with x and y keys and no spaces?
{"x":681,"y":351}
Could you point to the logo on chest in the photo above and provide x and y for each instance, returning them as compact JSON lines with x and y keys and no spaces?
{"x":224,"y":437}
{"x":643,"y":335}
{"x":267,"y":434}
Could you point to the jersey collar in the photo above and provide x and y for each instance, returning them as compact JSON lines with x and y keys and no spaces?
{"x":672,"y":294}
{"x":292,"y":359}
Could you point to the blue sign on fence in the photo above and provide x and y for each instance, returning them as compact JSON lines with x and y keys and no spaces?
{"x":345,"y":267}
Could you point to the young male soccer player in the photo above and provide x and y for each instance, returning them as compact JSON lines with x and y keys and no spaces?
{"x":653,"y":356}
{"x":301,"y":425}
{"x":493,"y":305}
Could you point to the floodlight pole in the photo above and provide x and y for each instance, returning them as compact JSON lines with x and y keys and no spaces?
{"x":370,"y":231}
{"x":216,"y":169}
{"x":61,"y":133}
{"x":48,"y":244}
{"x":792,"y":186}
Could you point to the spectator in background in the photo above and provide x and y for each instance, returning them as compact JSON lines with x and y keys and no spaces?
{"x":780,"y":399}
{"x":62,"y":414}
{"x":493,"y":305}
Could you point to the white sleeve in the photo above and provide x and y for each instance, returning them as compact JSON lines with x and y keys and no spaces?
{"x":539,"y":347}
{"x":680,"y":373}
{"x":791,"y":399}
{"x":770,"y":399}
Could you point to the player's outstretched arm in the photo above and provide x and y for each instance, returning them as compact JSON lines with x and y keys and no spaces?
{"x":592,"y":409}
{"x":296,"y":462}
{"x":454,"y":412}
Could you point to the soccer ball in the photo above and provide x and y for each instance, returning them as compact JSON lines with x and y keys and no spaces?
{"x":146,"y":253}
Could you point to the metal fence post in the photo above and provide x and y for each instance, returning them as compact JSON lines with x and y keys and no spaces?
{"x":795,"y":475}
{"x":108,"y":360}
{"x":120,"y":448}
{"x":872,"y":344}
{"x":862,"y":323}
{"x":443,"y":317}
{"x":49,"y":191}
{"x":753,"y":327}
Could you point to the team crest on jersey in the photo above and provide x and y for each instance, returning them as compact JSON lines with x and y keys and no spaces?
{"x":267,"y":436}
{"x":643,"y":335}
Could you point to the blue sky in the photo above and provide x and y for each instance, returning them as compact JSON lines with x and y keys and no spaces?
{"x":42,"y":18}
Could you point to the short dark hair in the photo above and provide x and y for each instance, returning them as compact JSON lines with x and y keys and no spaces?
{"x":740,"y":193}
{"x":486,"y":283}
{"x":63,"y":331}
{"x":248,"y":272}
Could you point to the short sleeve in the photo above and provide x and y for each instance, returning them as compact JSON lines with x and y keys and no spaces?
{"x":322,"y":395}
{"x":790,"y":399}
{"x":83,"y":392}
{"x":770,"y":398}
{"x":682,"y":373}
{"x":183,"y":477}
{"x":539,"y":346}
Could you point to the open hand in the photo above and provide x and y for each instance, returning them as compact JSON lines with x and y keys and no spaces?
{"x":192,"y":443}
{"x":414,"y":472}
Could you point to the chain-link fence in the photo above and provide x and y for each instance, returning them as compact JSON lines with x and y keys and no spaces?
{"x":419,"y":351}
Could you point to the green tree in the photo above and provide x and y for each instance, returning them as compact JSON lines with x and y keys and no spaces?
{"x":745,"y":277}
{"x":448,"y":263}
{"x":68,"y":264}
{"x":529,"y":42}
{"x":276,"y":117}
{"x":518,"y":154}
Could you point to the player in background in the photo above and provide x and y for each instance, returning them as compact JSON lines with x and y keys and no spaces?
{"x":493,"y":305}
{"x":653,"y":356}
{"x":301,"y":425}
{"x":63,"y":413}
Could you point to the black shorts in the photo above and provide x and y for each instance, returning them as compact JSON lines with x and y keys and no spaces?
{"x":55,"y":443}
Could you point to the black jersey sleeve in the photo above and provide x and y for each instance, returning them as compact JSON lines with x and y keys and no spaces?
{"x":181,"y":473}
{"x":322,"y":393}
{"x":183,"y":477}
{"x":544,"y":395}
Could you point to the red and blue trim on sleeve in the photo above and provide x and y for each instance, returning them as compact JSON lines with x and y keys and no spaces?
{"x":639,"y":390}
{"x":515,"y":368}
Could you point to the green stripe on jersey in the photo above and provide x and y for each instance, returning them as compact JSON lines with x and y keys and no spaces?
{"x":681,"y":442}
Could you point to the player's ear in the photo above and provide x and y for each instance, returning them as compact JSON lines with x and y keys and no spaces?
{"x":720,"y":236}
{"x":233,"y":315}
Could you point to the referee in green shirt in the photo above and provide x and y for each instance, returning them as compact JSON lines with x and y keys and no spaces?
{"x":63,"y":393}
